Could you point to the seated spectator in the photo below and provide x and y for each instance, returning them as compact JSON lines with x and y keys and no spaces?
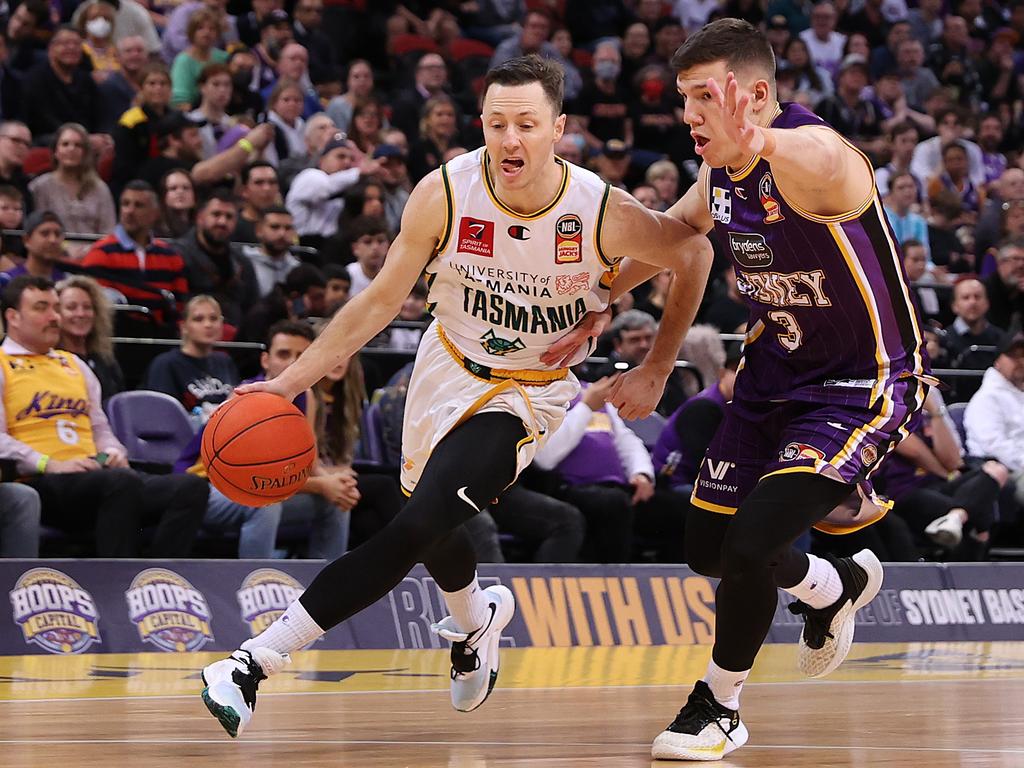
{"x":215,"y":86}
{"x":664,"y":177}
{"x":323,"y":504}
{"x":341,"y":395}
{"x":990,"y":140}
{"x":260,"y":190}
{"x":176,"y":37}
{"x":812,"y":78}
{"x":319,"y":129}
{"x":359,"y":86}
{"x":612,"y":163}
{"x":970,"y":329}
{"x":284,"y":112}
{"x":393,"y":174}
{"x":892,"y":102}
{"x":43,"y":241}
{"x":117,"y":92}
{"x":275,"y":34}
{"x":855,"y":117}
{"x":271,"y":260}
{"x":26,"y":28}
{"x":647,"y":196}
{"x":994,"y":418}
{"x":902,"y":138}
{"x":203,"y":31}
{"x":438,"y":132}
{"x":75,"y":463}
{"x":632,"y":333}
{"x":12,"y":216}
{"x":944,"y":220}
{"x":135,"y":135}
{"x":179,"y":145}
{"x":609,"y":477}
{"x":369,"y":242}
{"x":293,"y":65}
{"x":338,"y":288}
{"x":921,"y":277}
{"x":688,"y":431}
{"x":927,"y":161}
{"x":991,"y":220}
{"x":86,"y":325}
{"x":308,"y":15}
{"x":20,"y":510}
{"x":363,"y":199}
{"x":414,"y":310}
{"x":918,"y":82}
{"x":534,"y":37}
{"x":131,"y":19}
{"x":73,"y":189}
{"x":245,"y":100}
{"x":1005,"y":286}
{"x":177,"y":204}
{"x":823,"y":44}
{"x":213,"y":264}
{"x":935,"y":493}
{"x":148,"y":271}
{"x":15,"y":143}
{"x":70,"y":93}
{"x":196,"y":375}
{"x":366,"y":126}
{"x":954,"y":178}
{"x":96,"y":26}
{"x":906,"y":224}
{"x":314,"y":196}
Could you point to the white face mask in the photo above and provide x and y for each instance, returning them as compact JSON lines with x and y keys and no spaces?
{"x":99,"y":27}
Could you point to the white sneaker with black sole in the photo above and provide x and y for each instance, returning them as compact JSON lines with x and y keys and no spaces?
{"x":475,"y":654}
{"x":703,"y":730}
{"x":231,"y":684}
{"x":946,"y":531}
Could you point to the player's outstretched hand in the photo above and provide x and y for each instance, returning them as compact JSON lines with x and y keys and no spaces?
{"x":737,"y":126}
{"x":637,"y":392}
{"x":562,"y":351}
{"x":274,"y":386}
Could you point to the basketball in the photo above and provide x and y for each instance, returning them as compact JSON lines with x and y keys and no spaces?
{"x":258,"y":449}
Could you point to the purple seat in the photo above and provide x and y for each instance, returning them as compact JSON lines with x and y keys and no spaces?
{"x":153,"y":426}
{"x":370,"y":449}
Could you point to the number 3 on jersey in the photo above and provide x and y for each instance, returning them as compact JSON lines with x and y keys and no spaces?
{"x":792,"y":338}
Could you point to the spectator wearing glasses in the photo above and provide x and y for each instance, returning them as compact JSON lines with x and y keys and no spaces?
{"x":15,"y":143}
{"x":430,"y":80}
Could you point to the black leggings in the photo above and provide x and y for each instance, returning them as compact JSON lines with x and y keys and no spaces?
{"x":752,"y":553}
{"x":476,"y":459}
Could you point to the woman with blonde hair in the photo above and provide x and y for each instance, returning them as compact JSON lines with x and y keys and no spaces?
{"x":73,"y":189}
{"x":86,"y":327}
{"x":664,"y":177}
{"x":96,"y":24}
{"x":439,"y":131}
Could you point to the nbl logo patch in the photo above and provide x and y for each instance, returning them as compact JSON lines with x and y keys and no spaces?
{"x":476,"y":237}
{"x":54,"y":612}
{"x":795,"y":451}
{"x":168,"y":611}
{"x":264,"y":596}
{"x":568,"y":239}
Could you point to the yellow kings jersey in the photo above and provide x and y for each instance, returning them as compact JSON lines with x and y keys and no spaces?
{"x":47,"y":404}
{"x":504,"y":285}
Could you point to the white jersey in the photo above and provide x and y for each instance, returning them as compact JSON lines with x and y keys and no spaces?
{"x":505,"y":286}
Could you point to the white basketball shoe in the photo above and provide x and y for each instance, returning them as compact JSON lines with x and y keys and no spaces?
{"x":231,"y":683}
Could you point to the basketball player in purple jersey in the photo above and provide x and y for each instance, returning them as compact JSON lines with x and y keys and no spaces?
{"x":831,"y":379}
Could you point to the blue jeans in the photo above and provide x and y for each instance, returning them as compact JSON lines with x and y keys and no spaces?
{"x":19,"y":520}
{"x":328,"y":525}
{"x":256,"y":526}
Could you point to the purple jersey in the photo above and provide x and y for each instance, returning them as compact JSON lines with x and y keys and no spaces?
{"x":831,"y":315}
{"x":595,"y":459}
{"x":668,"y":455}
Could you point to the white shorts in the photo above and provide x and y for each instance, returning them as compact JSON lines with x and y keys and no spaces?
{"x":443,"y":393}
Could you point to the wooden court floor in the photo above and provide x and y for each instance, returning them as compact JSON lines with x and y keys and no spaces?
{"x":934,"y":705}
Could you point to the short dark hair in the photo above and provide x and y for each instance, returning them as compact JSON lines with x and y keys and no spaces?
{"x":337,"y":272}
{"x":736,"y":42}
{"x":302,"y":278}
{"x":39,"y":10}
{"x":138,"y":185}
{"x":911,"y":243}
{"x":290,"y":328}
{"x":221,"y":195}
{"x":210,"y":71}
{"x":361,"y":226}
{"x":523,"y":70}
{"x":249,"y":167}
{"x":903,"y":127}
{"x":271,"y":210}
{"x":10,"y":298}
{"x":11,"y":193}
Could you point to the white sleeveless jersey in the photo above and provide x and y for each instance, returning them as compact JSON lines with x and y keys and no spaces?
{"x":505,"y":286}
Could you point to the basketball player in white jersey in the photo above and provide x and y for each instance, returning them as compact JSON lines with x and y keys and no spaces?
{"x":518,"y":245}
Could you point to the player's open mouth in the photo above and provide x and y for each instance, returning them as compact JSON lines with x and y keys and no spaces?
{"x":700,"y":142}
{"x":512,"y":166}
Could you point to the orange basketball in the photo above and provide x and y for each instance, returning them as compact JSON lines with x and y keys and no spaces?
{"x":258,"y":449}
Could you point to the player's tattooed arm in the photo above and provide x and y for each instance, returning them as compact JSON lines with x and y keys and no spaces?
{"x":378,"y":304}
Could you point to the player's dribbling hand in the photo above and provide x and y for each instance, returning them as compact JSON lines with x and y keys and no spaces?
{"x":637,"y":392}
{"x":737,"y":126}
{"x":592,"y":325}
{"x":274,"y":387}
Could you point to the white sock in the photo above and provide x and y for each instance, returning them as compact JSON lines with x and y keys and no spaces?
{"x":725,"y":685}
{"x":293,"y":630}
{"x":468,"y":606}
{"x":821,"y":586}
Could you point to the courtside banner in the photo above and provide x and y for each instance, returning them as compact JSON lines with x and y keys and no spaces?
{"x":124,"y":606}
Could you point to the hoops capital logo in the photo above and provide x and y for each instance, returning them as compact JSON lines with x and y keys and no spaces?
{"x":264,"y":596}
{"x":54,"y":612}
{"x":168,"y":611}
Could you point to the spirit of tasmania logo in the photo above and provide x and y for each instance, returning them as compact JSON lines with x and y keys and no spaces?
{"x":264,"y":596}
{"x":168,"y":611}
{"x":54,"y":612}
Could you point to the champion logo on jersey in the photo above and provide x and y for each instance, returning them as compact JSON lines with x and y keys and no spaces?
{"x":476,"y":237}
{"x":568,"y":239}
{"x":518,"y":232}
{"x":721,"y":205}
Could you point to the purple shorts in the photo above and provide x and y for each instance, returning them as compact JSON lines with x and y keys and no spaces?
{"x":846,"y":443}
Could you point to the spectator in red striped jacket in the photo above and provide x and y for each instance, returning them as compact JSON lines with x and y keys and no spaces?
{"x":148,"y":271}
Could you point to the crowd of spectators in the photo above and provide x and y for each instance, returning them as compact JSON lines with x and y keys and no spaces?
{"x":225,"y":171}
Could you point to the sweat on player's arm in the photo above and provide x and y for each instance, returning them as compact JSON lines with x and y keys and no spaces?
{"x":372,"y":309}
